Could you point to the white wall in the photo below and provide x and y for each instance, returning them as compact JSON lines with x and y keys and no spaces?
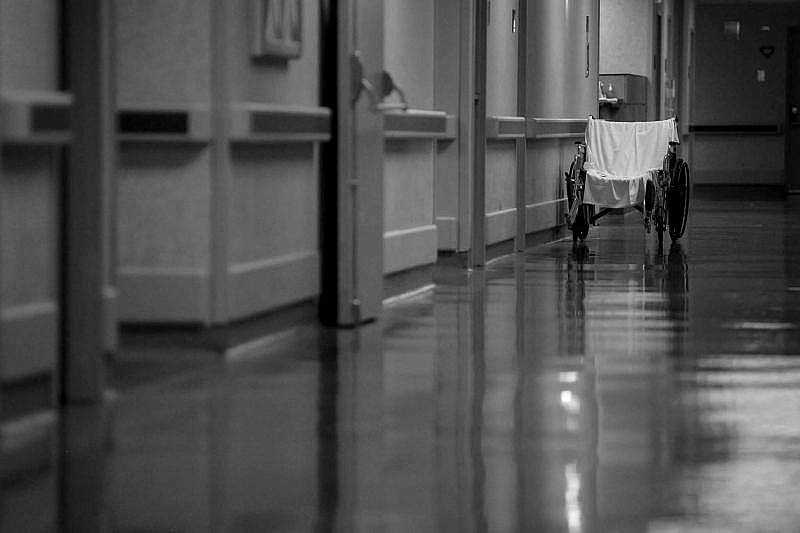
{"x":501,"y":100}
{"x":213,"y":231}
{"x":625,"y":37}
{"x":30,"y":211}
{"x":410,"y":236}
{"x":408,"y":48}
{"x":501,"y":66}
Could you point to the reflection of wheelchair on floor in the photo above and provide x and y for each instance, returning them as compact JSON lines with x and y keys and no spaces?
{"x":624,"y":164}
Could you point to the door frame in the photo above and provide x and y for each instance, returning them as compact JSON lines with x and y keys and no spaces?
{"x":792,"y":35}
{"x":351,"y":210}
{"x":477,"y":252}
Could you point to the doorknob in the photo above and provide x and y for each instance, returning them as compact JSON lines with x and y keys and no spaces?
{"x":359,"y":83}
{"x":794,"y":115}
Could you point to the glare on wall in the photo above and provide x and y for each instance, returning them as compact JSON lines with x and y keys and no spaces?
{"x":277,"y":28}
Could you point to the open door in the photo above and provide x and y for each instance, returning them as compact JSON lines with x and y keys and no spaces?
{"x":352,"y":185}
{"x":793,"y":113}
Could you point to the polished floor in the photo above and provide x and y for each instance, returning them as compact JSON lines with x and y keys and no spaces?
{"x":603,"y":388}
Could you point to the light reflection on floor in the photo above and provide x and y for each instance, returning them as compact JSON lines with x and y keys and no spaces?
{"x":594,"y":389}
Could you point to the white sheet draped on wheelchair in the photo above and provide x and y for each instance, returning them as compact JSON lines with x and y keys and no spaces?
{"x":621,"y":157}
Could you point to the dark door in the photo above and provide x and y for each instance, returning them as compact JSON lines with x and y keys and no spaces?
{"x":793,"y":113}
{"x":657,"y":65}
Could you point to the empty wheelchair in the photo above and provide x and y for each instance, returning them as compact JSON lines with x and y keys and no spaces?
{"x":629,"y":164}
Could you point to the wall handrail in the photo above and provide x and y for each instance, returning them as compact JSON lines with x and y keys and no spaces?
{"x":164,"y":123}
{"x":736,"y":129}
{"x":505,"y":127}
{"x":419,"y":124}
{"x":556,"y":128}
{"x":253,"y":122}
{"x":36,"y":117}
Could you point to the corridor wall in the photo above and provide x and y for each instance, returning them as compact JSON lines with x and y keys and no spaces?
{"x":218,"y":220}
{"x":728,"y":93}
{"x":163,"y":54}
{"x":559,"y":97}
{"x":30,"y":215}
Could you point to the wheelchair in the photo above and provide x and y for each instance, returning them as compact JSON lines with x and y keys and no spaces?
{"x":664,"y":200}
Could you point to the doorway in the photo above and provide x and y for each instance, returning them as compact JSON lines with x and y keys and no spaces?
{"x":657,"y":62}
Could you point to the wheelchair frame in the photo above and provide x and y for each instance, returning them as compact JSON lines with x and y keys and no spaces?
{"x":666,"y":204}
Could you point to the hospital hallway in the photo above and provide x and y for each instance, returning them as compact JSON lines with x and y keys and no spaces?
{"x":598,"y":388}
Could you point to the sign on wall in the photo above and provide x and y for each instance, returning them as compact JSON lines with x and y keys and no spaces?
{"x":277,"y":28}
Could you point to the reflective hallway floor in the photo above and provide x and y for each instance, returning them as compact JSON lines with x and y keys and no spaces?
{"x":603,"y":388}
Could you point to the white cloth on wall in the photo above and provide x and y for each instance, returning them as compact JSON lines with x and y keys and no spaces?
{"x":620,"y":156}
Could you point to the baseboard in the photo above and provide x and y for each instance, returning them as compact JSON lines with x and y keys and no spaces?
{"x":30,"y":339}
{"x":260,"y":286}
{"x":737,"y":177}
{"x":163,"y":295}
{"x":407,"y":282}
{"x":500,"y":249}
{"x":447,"y":233}
{"x":501,"y":225}
{"x":408,"y":248}
{"x":546,"y":236}
{"x":544,"y":215}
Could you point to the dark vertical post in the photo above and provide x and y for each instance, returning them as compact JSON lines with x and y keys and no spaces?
{"x":478,"y":248}
{"x":329,"y":165}
{"x":1,"y":271}
{"x":91,"y":168}
{"x":521,"y":144}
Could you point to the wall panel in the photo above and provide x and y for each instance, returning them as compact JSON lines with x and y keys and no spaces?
{"x":410,"y":236}
{"x":501,"y":190}
{"x":29,"y":41}
{"x":557,"y":88}
{"x":625,"y":37}
{"x":163,"y":52}
{"x":272,"y":253}
{"x":292,"y":82}
{"x":453,"y":69}
{"x":408,"y":49}
{"x":30,"y":238}
{"x":163,"y":206}
{"x":234,"y":216}
{"x":501,"y":100}
{"x":30,"y":189}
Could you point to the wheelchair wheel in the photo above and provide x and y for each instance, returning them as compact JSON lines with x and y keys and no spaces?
{"x":569,"y":178}
{"x":678,"y":200}
{"x":660,"y":224}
